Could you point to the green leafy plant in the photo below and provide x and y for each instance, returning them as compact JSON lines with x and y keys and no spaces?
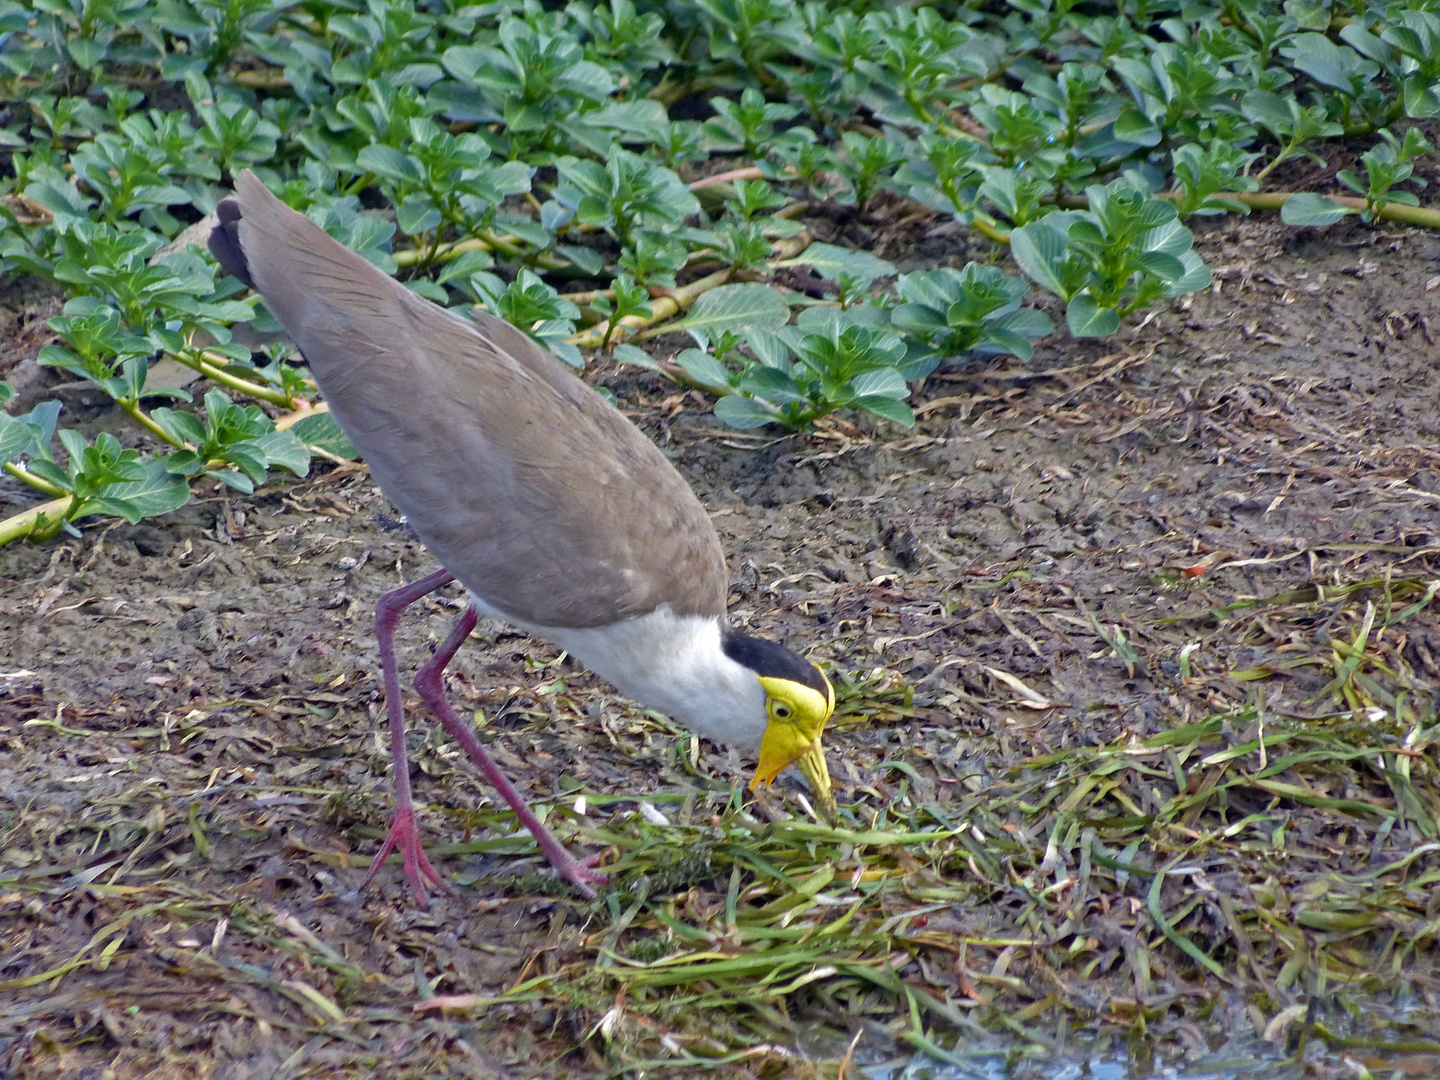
{"x":532,"y":78}
{"x":99,"y":478}
{"x":653,"y":259}
{"x":534,"y":307}
{"x":749,"y":125}
{"x":954,"y":312}
{"x":443,"y":183}
{"x":868,"y":163}
{"x":1350,"y":76}
{"x":1386,"y":164}
{"x":945,"y":175}
{"x":1294,"y":126}
{"x":624,"y":195}
{"x":1416,"y":37}
{"x":1204,"y":172}
{"x":463,"y":147}
{"x":799,"y":375}
{"x":1126,"y":252}
{"x":237,"y":444}
{"x":630,"y":299}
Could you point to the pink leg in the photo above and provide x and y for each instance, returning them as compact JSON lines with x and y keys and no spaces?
{"x":404,"y":833}
{"x":430,"y":682}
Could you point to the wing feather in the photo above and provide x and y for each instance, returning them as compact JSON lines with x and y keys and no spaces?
{"x":535,"y":492}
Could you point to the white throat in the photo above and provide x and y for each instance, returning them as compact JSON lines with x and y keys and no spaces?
{"x":672,"y":663}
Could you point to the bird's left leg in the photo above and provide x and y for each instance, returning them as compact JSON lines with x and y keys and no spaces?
{"x":404,"y":832}
{"x":430,"y":683}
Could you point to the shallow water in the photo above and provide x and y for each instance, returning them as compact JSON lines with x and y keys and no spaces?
{"x":1240,"y":1056}
{"x":1264,"y":1061}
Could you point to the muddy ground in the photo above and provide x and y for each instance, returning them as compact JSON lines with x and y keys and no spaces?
{"x":189,"y":707}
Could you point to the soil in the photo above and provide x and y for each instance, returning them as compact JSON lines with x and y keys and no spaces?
{"x":189,"y":707}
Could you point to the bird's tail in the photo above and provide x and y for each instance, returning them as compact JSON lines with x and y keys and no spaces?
{"x":225,"y":243}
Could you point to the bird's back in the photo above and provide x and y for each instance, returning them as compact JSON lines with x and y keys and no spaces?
{"x":541,"y":497}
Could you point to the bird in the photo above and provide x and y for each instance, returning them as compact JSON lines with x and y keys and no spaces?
{"x":540,"y":498}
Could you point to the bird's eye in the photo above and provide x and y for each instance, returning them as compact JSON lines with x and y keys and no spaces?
{"x":782,"y":712}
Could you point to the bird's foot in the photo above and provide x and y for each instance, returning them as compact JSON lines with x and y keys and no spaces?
{"x":405,"y":835}
{"x":579,"y":872}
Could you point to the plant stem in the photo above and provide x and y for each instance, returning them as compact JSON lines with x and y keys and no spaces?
{"x":302,"y":410}
{"x":988,"y":230}
{"x":1275,"y":200}
{"x":484,"y":241}
{"x":442,"y":253}
{"x":661,"y":308}
{"x":23,"y":525}
{"x":198,"y":362}
{"x":142,"y":418}
{"x":1283,"y":155}
{"x":25,"y":476}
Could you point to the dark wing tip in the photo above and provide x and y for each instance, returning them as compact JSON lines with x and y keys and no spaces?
{"x":225,"y":242}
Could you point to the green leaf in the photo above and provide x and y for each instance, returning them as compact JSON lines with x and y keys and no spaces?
{"x":1334,"y":65}
{"x":16,"y":438}
{"x":1166,"y":267}
{"x":1267,"y":109}
{"x":322,"y":432}
{"x":389,"y":164}
{"x":158,"y":492}
{"x":1086,"y":318}
{"x":1017,"y":345}
{"x":1421,"y":97}
{"x":86,"y":52}
{"x":736,"y":308}
{"x":887,"y":408}
{"x":885,"y":382}
{"x":1171,"y":238}
{"x":235,"y":479}
{"x":768,"y":348}
{"x":588,"y":260}
{"x":1309,"y":14}
{"x":1038,"y":249}
{"x":417,"y":214}
{"x":1197,"y":276}
{"x":1307,"y":208}
{"x":772,"y":384}
{"x":428,"y":289}
{"x":181,"y":426}
{"x":705,"y":369}
{"x":285,"y":450}
{"x":1132,"y":126}
{"x":633,"y":354}
{"x":741,"y":412}
{"x":830,"y":262}
{"x":644,"y":118}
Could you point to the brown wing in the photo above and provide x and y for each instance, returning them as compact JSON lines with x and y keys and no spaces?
{"x":526,"y":484}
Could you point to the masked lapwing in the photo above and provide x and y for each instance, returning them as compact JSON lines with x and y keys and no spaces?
{"x":535,"y":494}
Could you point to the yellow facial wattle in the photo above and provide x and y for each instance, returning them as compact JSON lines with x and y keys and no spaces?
{"x":797,"y":716}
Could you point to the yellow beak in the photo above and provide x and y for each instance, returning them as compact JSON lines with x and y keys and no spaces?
{"x":798,"y":744}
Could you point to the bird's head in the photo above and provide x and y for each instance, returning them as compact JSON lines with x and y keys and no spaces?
{"x":798,"y":702}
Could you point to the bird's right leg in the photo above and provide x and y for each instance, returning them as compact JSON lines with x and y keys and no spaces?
{"x":404,"y":833}
{"x":430,"y":683}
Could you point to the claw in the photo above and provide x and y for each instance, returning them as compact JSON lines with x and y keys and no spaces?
{"x":405,"y":835}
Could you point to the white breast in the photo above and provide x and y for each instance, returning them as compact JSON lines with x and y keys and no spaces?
{"x":671,"y":663}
